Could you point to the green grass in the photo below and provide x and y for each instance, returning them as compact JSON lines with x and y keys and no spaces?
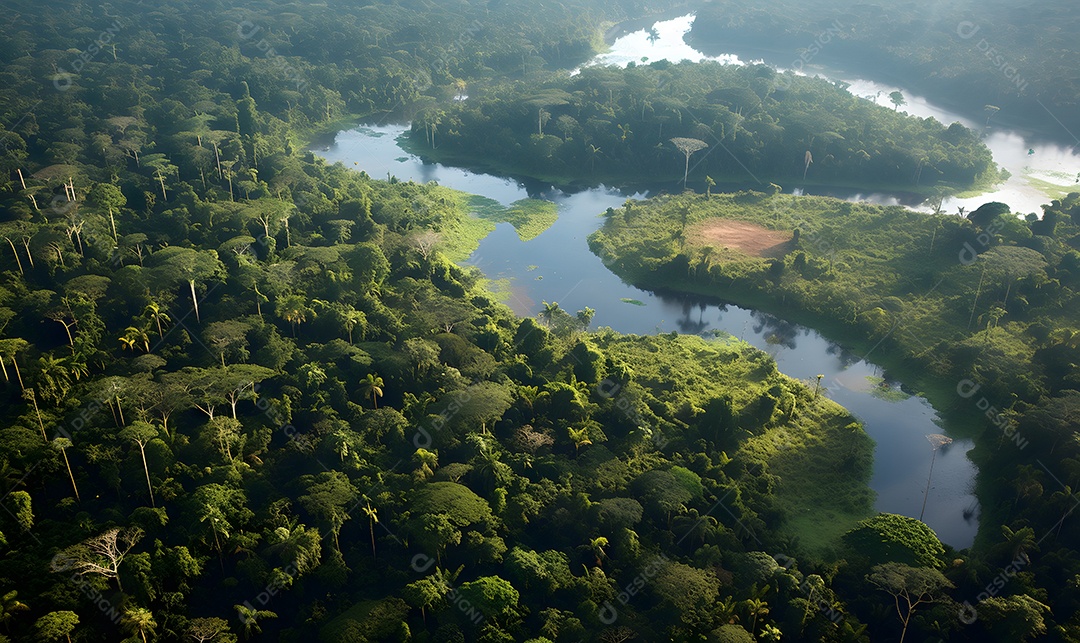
{"x":882,"y":391}
{"x":870,"y":255}
{"x":632,"y":302}
{"x":821,"y":455}
{"x":499,"y":289}
{"x":1050,"y":189}
{"x":463,"y":238}
{"x":823,"y":463}
{"x":530,"y":217}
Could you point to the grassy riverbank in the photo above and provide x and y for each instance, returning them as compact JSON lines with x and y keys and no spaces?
{"x":478,"y":216}
{"x":812,"y":459}
{"x":629,"y":180}
{"x":904,"y":289}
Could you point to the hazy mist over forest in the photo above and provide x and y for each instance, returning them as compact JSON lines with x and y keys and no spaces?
{"x":542,"y":322}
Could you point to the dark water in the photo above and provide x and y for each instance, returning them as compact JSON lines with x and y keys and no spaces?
{"x":558,"y":266}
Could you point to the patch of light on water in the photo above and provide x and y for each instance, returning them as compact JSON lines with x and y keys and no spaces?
{"x":1039,"y":171}
{"x":640,"y":47}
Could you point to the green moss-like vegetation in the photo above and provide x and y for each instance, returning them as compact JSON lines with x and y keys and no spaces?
{"x":815,"y":456}
{"x":882,"y":390}
{"x":891,"y":538}
{"x":530,"y":217}
{"x":981,"y":313}
{"x":617,"y":126}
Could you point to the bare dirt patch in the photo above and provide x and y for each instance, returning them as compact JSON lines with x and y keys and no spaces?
{"x":749,"y":238}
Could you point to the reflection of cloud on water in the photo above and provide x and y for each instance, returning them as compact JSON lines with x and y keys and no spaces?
{"x":851,"y":381}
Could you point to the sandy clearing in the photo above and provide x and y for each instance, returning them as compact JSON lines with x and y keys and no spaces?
{"x":746,"y":237}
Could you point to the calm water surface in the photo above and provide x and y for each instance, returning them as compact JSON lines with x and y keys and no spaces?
{"x":558,"y":266}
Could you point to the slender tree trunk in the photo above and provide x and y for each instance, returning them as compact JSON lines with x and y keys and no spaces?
{"x":112,"y":222}
{"x":21,"y":179}
{"x":22,"y":387}
{"x":3,"y":367}
{"x":146,"y":469}
{"x":112,"y":410}
{"x":978,"y":291}
{"x":70,"y":474}
{"x":217,"y":543}
{"x":17,"y":260}
{"x":40,"y":423}
{"x":26,"y":246}
{"x":194,"y":300}
{"x":926,"y":494}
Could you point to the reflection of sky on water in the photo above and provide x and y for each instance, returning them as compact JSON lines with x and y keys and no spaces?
{"x":567,"y":272}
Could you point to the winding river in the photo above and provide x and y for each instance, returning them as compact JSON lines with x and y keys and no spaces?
{"x":558,"y":266}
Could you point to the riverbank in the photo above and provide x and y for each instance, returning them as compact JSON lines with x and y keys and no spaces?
{"x":810,"y":459}
{"x":671,"y":181}
{"x":557,"y":267}
{"x":894,"y":285}
{"x":965,"y":65}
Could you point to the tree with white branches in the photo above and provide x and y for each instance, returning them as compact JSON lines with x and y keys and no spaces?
{"x":101,"y":554}
{"x":688,"y":146}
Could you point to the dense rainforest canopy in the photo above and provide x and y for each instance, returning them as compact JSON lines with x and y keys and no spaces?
{"x":248,"y":394}
{"x":983,"y":311}
{"x":994,"y":59}
{"x":618,"y":126}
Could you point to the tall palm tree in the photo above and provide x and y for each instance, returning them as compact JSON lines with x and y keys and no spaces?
{"x":54,"y":378}
{"x":372,"y":385}
{"x":549,"y":313}
{"x":373,"y":517}
{"x":139,"y":620}
{"x":134,"y":335}
{"x":1064,"y":498}
{"x":1020,"y":541}
{"x":597,"y":546}
{"x":10,"y":605}
{"x":580,"y":437}
{"x":428,"y":461}
{"x":294,"y":310}
{"x":154,"y":313}
{"x":250,"y":616}
{"x":755,"y":607}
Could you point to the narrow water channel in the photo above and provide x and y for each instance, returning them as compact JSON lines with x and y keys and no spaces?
{"x":558,"y":266}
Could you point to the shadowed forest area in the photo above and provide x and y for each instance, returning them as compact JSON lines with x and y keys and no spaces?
{"x":249,"y":394}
